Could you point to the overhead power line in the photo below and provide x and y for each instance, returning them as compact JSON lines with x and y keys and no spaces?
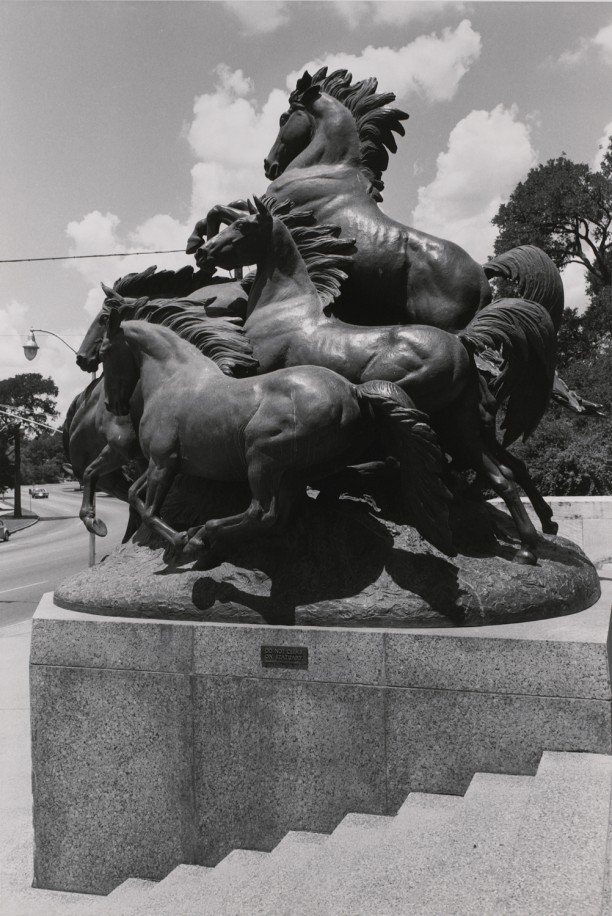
{"x":74,"y":257}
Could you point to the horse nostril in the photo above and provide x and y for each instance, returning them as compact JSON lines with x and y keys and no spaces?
{"x":270,"y":169}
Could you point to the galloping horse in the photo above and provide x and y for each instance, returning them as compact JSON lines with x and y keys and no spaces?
{"x":329,"y":156}
{"x":299,"y":271}
{"x":99,"y":444}
{"x":277,"y":431}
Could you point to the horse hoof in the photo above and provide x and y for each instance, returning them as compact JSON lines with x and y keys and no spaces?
{"x":525,"y":557}
{"x":550,"y":528}
{"x":99,"y":528}
{"x":96,"y":526}
{"x":174,"y":554}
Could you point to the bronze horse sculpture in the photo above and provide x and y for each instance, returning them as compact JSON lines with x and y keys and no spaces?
{"x":277,"y":431}
{"x":97,"y":443}
{"x":329,"y":156}
{"x":299,"y":272}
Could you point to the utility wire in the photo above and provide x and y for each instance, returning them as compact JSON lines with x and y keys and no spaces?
{"x":73,"y":257}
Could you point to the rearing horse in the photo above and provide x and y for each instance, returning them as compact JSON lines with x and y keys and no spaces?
{"x":329,"y":156}
{"x":299,"y":272}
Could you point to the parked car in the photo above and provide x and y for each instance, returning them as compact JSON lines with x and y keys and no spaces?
{"x":4,"y":532}
{"x":39,"y":493}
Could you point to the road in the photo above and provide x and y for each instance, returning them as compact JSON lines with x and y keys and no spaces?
{"x":37,"y":559}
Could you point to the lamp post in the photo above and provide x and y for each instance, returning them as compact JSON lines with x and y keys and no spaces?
{"x":31,"y":348}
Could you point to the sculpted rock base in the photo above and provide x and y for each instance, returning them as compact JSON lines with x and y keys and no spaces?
{"x":341,"y":564}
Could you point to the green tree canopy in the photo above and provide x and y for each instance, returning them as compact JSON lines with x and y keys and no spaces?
{"x":30,"y":396}
{"x":565,"y":208}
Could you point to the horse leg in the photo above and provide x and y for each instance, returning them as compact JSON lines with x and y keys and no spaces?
{"x":108,"y":460}
{"x":158,"y":479}
{"x":524,"y":480}
{"x":274,"y":494}
{"x":502,"y":481}
{"x":460,"y":428}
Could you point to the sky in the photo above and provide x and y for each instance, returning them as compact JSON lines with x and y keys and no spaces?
{"x":124,"y":122}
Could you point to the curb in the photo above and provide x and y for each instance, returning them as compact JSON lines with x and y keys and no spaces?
{"x":19,"y":524}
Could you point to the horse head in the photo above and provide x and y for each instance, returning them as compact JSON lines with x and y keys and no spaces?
{"x":316,"y":128}
{"x":242,"y":242}
{"x":88,"y":354}
{"x":332,"y":120}
{"x":296,"y":128}
{"x":121,"y":369}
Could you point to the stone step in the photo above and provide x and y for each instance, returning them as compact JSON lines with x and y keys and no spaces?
{"x":472,"y":860}
{"x":559,"y":864}
{"x":184,"y":887}
{"x":513,"y":846}
{"x":357,"y":858}
{"x":123,"y":899}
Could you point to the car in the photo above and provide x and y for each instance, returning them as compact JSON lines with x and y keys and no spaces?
{"x":4,"y":532}
{"x":39,"y":493}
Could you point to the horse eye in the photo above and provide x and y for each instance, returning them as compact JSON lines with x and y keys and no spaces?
{"x":284,"y":118}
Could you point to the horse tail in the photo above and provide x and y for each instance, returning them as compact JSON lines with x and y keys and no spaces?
{"x":514,"y":343}
{"x":407,"y":435}
{"x":537,"y":277}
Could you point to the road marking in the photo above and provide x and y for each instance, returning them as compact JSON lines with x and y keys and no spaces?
{"x":17,"y":587}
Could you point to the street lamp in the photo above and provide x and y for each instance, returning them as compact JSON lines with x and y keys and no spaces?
{"x":31,"y":348}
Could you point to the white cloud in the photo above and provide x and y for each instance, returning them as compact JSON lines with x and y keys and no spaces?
{"x":230,"y":135}
{"x":53,"y":358}
{"x":100,"y":232}
{"x":379,"y":12}
{"x":583,"y":51}
{"x":431,"y":65}
{"x":258,"y":16}
{"x":603,"y":144}
{"x":488,"y":153}
{"x":603,"y":42}
{"x":574,"y":285}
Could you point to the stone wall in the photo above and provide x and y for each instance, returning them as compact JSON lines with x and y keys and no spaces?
{"x":586,"y":520}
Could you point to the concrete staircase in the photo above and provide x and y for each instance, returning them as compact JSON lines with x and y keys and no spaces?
{"x":530,"y":846}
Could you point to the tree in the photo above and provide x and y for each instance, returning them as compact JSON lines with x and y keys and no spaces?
{"x":42,"y":459}
{"x":565,"y":208}
{"x":30,"y":397}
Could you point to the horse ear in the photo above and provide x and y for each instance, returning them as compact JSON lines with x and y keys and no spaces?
{"x":310,"y":95}
{"x":109,"y":293}
{"x":261,"y":208}
{"x":251,"y":208}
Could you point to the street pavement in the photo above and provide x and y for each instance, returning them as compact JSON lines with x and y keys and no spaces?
{"x":37,"y":558}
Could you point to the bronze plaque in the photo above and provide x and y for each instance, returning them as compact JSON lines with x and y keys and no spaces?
{"x":284,"y":656}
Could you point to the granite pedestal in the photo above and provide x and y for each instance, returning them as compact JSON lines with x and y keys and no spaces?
{"x":157,"y":743}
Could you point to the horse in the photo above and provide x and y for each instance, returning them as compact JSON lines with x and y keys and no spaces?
{"x":214,"y":296}
{"x":299,"y":272}
{"x":98,"y":447}
{"x":277,"y":431}
{"x":99,"y":444}
{"x":329,"y":155}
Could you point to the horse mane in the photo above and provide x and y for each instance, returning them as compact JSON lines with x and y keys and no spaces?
{"x":374,"y":120}
{"x":327,"y":257}
{"x":162,"y":284}
{"x":220,"y":339}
